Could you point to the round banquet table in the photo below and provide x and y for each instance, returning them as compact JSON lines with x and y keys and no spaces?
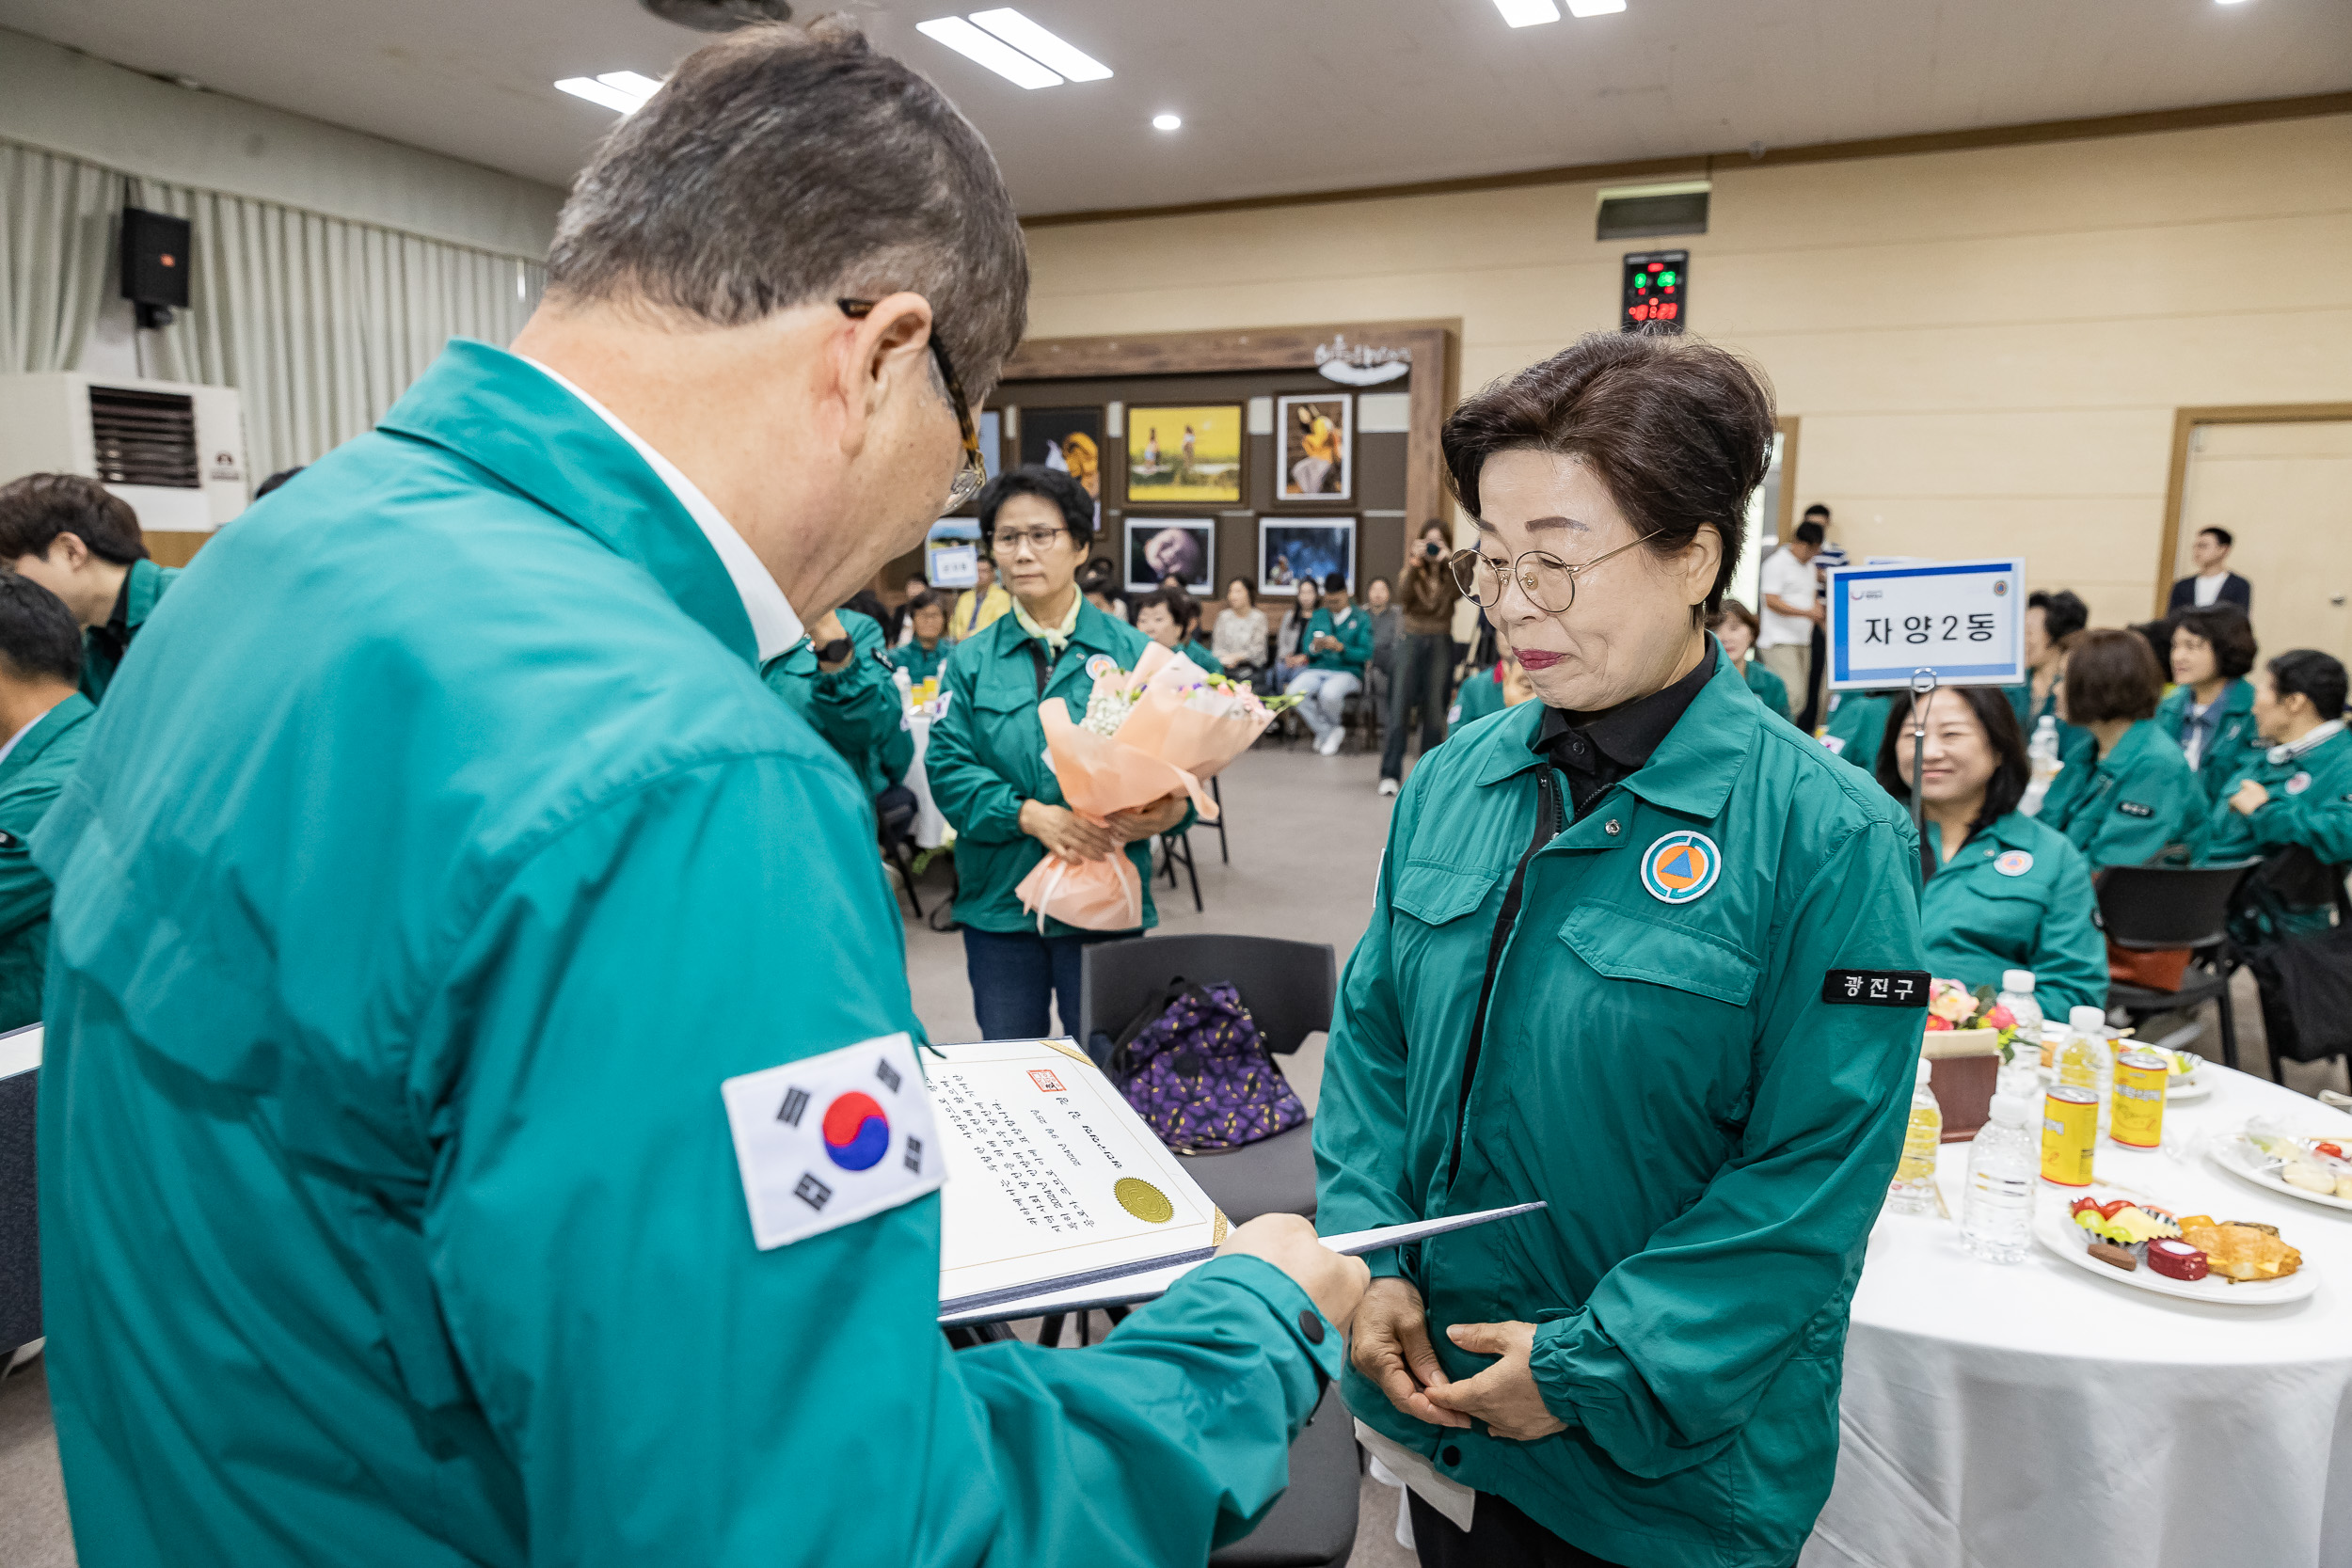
{"x":930,"y":827}
{"x":2033,"y":1413}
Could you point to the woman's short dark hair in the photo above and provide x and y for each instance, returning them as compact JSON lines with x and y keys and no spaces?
{"x":36,"y":508}
{"x":927,"y":599}
{"x":1734,"y":611}
{"x":1247,"y":586}
{"x":2063,"y":612}
{"x":2310,"y":674}
{"x":2111,"y":674}
{"x":40,"y":638}
{"x":1680,"y":432}
{"x":1052,"y":484}
{"x":2231,"y":635}
{"x":1178,"y":604}
{"x":2012,"y":767}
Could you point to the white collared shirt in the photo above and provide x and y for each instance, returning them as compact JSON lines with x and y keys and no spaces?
{"x":2275,"y":757}
{"x":775,"y":626}
{"x":19,"y":735}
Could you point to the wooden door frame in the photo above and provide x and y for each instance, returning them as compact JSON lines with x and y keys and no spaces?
{"x":1433,"y":386}
{"x":2185,"y":423}
{"x":1784,"y":526}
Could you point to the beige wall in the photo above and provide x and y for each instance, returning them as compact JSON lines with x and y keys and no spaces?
{"x":1985,"y":347}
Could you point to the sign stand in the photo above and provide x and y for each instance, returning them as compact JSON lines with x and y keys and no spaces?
{"x":1923,"y":684}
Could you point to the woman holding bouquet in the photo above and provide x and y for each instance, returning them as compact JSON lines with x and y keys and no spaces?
{"x":986,"y":761}
{"x":1639,"y":951}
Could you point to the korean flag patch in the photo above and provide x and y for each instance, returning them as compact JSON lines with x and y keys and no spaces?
{"x":830,"y":1139}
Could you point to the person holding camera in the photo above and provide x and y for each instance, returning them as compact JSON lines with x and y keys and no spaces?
{"x":1425,"y":592}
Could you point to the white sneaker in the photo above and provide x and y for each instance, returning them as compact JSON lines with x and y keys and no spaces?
{"x":1330,"y":745}
{"x":1387,"y":786}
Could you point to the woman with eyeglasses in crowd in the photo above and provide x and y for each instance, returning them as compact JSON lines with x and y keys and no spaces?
{"x":2209,"y":714}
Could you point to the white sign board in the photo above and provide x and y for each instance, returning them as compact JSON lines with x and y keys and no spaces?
{"x":1965,"y":620}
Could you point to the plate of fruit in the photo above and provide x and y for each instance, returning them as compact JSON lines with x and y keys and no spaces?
{"x":2314,"y":1168}
{"x":2185,"y":1082}
{"x":2195,"y":1257}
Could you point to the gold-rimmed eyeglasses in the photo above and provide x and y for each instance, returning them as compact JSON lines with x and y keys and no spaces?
{"x":1549,"y":582}
{"x":974,"y":474}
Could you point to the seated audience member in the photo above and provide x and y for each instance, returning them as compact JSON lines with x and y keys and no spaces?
{"x":902,"y":622}
{"x":2210,"y":713}
{"x":978,"y":608}
{"x":1387,"y":624}
{"x":1290,"y":637}
{"x":2291,"y":805}
{"x":1736,"y":629}
{"x":2137,"y":798}
{"x":926,"y":648}
{"x":1338,"y":640}
{"x":46,"y":719}
{"x":2050,"y":619}
{"x":81,"y":541}
{"x":1240,"y":637}
{"x":837,"y":678}
{"x":1098,"y":581}
{"x":1167,"y":616}
{"x":2002,"y":890}
{"x":1501,"y":685}
{"x":2214,"y":583}
{"x":1857,"y":722}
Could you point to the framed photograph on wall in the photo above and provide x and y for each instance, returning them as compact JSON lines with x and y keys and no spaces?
{"x":1171,"y":547}
{"x":1070,"y":439}
{"x":1293,"y":547}
{"x":1184,"y":455}
{"x":1318,"y":431}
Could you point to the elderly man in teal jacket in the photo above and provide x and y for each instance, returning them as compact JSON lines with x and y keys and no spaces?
{"x":453,"y":957}
{"x":47,"y":721}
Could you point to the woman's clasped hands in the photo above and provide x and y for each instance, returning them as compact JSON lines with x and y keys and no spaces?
{"x":1391,"y":1346}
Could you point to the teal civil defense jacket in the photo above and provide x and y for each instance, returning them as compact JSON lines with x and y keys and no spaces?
{"x":1479,"y":696}
{"x":142,"y":589}
{"x":2077,"y":747}
{"x":2310,"y":806}
{"x":391,"y":1216}
{"x":1682,"y":1055}
{"x":2235,"y":744}
{"x":1354,"y":635}
{"x":1857,"y":726}
{"x":2132,"y":806}
{"x":987,"y":755}
{"x":856,"y":707}
{"x":31,"y":774}
{"x":921,"y":664}
{"x":1200,"y":655}
{"x":1769,"y":689}
{"x":2018,"y":895}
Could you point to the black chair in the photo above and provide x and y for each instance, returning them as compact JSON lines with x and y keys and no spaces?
{"x":2158,"y":907}
{"x":1289,"y":988}
{"x":20,"y":1229}
{"x":1218,"y":796}
{"x":1314,"y":1524}
{"x":1176,"y":849}
{"x":895,"y":811}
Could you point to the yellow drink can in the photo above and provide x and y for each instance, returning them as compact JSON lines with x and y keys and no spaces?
{"x":2138,"y":1118}
{"x":2069,"y":1131}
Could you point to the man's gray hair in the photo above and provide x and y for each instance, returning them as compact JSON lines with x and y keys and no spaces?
{"x":788,"y":166}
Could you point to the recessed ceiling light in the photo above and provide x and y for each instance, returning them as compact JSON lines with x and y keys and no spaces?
{"x":1052,"y":52}
{"x":994,"y":52}
{"x":1594,"y":8}
{"x":622,"y":92}
{"x":1528,"y":13}
{"x":1167,"y":122}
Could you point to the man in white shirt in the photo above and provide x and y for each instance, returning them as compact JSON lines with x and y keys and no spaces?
{"x":2214,"y":583}
{"x":1793,"y":609}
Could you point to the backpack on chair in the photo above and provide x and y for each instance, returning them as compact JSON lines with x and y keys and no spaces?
{"x":1195,"y":1068}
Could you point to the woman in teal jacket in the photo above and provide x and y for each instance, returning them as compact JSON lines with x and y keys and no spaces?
{"x":2209,"y":714}
{"x":925,"y":652}
{"x":1857,"y":724}
{"x":986,"y":762}
{"x":1736,"y":628}
{"x":1165,"y":615}
{"x":2051,"y":618}
{"x":2292,"y":804}
{"x":1639,"y":951}
{"x":2137,"y":800}
{"x":2003,"y":890}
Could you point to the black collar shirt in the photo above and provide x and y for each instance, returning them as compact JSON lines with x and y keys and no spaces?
{"x":1597,"y":750}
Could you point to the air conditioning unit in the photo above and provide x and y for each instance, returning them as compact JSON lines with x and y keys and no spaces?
{"x":175,"y":452}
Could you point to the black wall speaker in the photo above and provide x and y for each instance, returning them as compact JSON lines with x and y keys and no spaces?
{"x":154,"y":264}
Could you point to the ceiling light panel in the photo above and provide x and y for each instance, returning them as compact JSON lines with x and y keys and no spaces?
{"x":1048,"y":49}
{"x":1167,"y":122}
{"x":602,"y":94}
{"x":637,"y":87}
{"x":1528,"y":13}
{"x":1594,"y":8}
{"x":987,"y":50}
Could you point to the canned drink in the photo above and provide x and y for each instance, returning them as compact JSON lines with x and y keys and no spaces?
{"x":2138,"y":1119}
{"x":2070,"y":1134}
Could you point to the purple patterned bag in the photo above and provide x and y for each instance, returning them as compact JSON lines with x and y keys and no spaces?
{"x":1196,"y":1071}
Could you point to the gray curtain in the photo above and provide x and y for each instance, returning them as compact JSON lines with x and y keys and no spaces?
{"x":320,"y":323}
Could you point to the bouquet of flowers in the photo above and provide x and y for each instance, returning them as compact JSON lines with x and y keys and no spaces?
{"x":1953,"y":1006}
{"x":1148,"y":731}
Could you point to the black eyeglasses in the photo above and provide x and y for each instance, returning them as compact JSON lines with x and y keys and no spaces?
{"x":974,"y":474}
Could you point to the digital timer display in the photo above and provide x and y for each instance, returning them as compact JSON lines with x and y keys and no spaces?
{"x":1657,"y":290}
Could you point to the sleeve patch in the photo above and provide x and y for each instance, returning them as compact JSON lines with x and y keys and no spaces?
{"x":1875,"y":987}
{"x":827,"y":1140}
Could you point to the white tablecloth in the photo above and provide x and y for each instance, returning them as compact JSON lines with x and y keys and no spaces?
{"x":929,"y":827}
{"x":2033,"y":1414}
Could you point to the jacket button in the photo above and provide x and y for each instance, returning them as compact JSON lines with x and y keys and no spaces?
{"x":1611,"y":827}
{"x":1452,"y":1454}
{"x":1310,"y":1324}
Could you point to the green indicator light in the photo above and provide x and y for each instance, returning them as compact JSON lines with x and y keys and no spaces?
{"x":1667,"y":279}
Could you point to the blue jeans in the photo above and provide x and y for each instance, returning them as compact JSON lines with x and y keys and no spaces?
{"x":1015,"y":975}
{"x":1323,"y":697}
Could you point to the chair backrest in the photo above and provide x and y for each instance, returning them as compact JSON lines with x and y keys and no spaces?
{"x":1287,"y":987}
{"x":2146,"y":908}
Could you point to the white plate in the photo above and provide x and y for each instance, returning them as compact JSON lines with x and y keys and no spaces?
{"x":2234,"y":1156}
{"x":2181,"y":1092}
{"x":2057,"y":1231}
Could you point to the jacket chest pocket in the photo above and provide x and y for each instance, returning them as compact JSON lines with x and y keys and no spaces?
{"x":1662,"y":1009}
{"x":1011,"y":741}
{"x":2001,"y":919}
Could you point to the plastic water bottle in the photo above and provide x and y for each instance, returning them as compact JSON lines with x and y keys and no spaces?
{"x":2042,"y":753}
{"x":905,"y":683}
{"x":1912,"y":1191}
{"x":2004,"y":1170}
{"x":2022,"y":1073}
{"x":2087,"y":1060}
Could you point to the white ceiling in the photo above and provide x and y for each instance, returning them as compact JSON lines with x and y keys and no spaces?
{"x":1277,"y":95}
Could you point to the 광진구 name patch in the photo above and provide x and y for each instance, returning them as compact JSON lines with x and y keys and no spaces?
{"x":2133,"y":808}
{"x":1875,"y":987}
